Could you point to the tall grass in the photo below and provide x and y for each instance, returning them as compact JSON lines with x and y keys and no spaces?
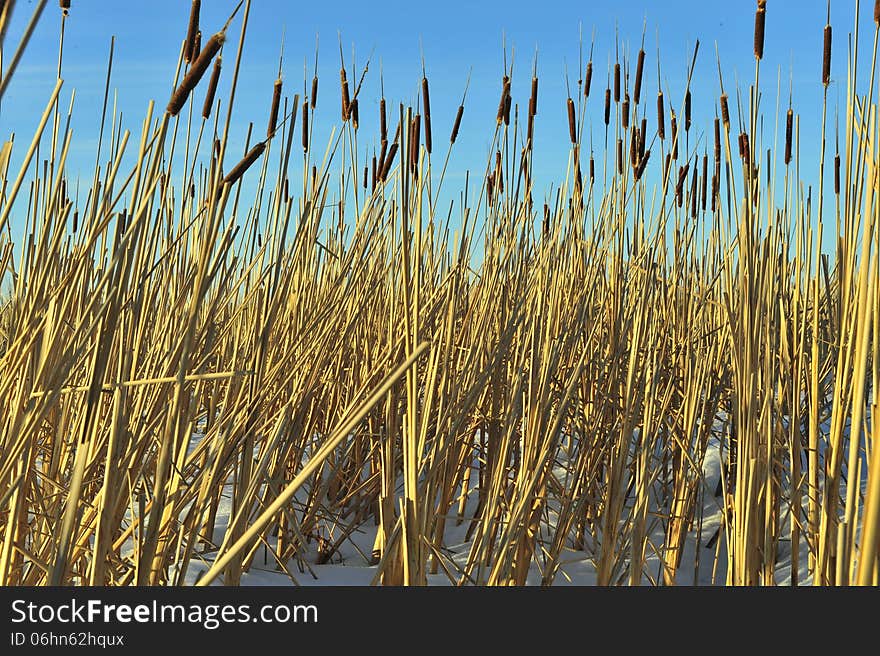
{"x":339,"y":350}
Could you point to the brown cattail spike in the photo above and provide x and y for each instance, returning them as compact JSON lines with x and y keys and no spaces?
{"x":572,"y":123}
{"x":624,"y":112}
{"x":502,"y":104}
{"x":760,"y":23}
{"x":687,"y":111}
{"x":197,"y":44}
{"x":725,"y":111}
{"x":826,"y":57}
{"x":507,"y":104}
{"x":353,"y":113}
{"x":640,"y":68}
{"x":195,"y":73}
{"x":877,"y":11}
{"x":588,"y":80}
{"x":426,"y":101}
{"x":189,"y":51}
{"x":305,"y":127}
{"x":661,"y":118}
{"x":607,"y":107}
{"x":273,"y":112}
{"x":789,"y":129}
{"x":346,"y":98}
{"x":640,"y":170}
{"x":837,"y":175}
{"x":620,"y":156}
{"x":313,"y":99}
{"x":457,"y":124}
{"x":703,"y":182}
{"x":717,"y":140}
{"x":533,"y":98}
{"x":617,"y":83}
{"x":239,"y":169}
{"x":212,"y":88}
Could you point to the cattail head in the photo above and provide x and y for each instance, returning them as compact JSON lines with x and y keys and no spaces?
{"x":687,"y":110}
{"x":760,"y":23}
{"x":313,"y":99}
{"x":273,"y":112}
{"x":507,"y":104}
{"x":533,"y":98}
{"x":592,"y":169}
{"x":624,"y":112}
{"x":877,"y":11}
{"x":64,"y":4}
{"x":197,"y":44}
{"x":502,"y":104}
{"x":189,"y":50}
{"x":789,"y":129}
{"x":572,"y":123}
{"x":346,"y":98}
{"x":620,"y":157}
{"x":239,"y":169}
{"x":354,"y":114}
{"x":457,"y":124}
{"x":617,"y":83}
{"x":607,"y":106}
{"x":640,"y":68}
{"x":643,"y":163}
{"x":837,"y":174}
{"x":426,"y":101}
{"x":717,"y":140}
{"x":212,"y":88}
{"x":661,"y":118}
{"x":383,"y":124}
{"x":305,"y":126}
{"x":826,"y":57}
{"x":703,"y":182}
{"x":588,"y":80}
{"x":195,"y":73}
{"x":725,"y":111}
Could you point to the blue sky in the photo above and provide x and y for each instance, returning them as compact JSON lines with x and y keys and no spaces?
{"x":456,"y":37}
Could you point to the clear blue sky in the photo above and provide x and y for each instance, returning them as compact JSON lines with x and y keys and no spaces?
{"x":455,"y":36}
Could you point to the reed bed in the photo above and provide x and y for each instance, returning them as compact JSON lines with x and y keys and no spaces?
{"x":196,"y":381}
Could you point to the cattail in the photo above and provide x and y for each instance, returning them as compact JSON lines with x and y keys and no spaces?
{"x":687,"y":111}
{"x":490,"y":187}
{"x":826,"y":57}
{"x":640,"y":67}
{"x":389,"y":160}
{"x":694,"y":194}
{"x":189,"y":50}
{"x":64,"y":4}
{"x":607,"y":106}
{"x":673,"y":126}
{"x":725,"y":111}
{"x":305,"y":127}
{"x":314,"y":96}
{"x":572,"y":127}
{"x":760,"y":20}
{"x":643,"y":137}
{"x":530,"y":126}
{"x":195,"y":73}
{"x":75,"y":212}
{"x":416,"y":139}
{"x":877,"y":11}
{"x":789,"y":129}
{"x":592,"y":169}
{"x":634,"y":148}
{"x":383,"y":125}
{"x":661,"y":119}
{"x":741,"y":149}
{"x":703,"y":182}
{"x":717,"y":140}
{"x":354,"y":113}
{"x":617,"y":83}
{"x":714,"y":191}
{"x":456,"y":124}
{"x":502,"y":104}
{"x":373,"y":173}
{"x":588,"y":80}
{"x":533,"y":98}
{"x":426,"y":100}
{"x":366,"y":172}
{"x":746,"y":152}
{"x":197,"y":44}
{"x":381,"y":165}
{"x":212,"y":88}
{"x":346,"y":99}
{"x":507,"y":103}
{"x":682,"y":178}
{"x":239,"y":169}
{"x":640,"y":170}
{"x":273,"y":113}
{"x":624,"y":114}
{"x":620,"y":157}
{"x":667,"y":166}
{"x":837,"y":174}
